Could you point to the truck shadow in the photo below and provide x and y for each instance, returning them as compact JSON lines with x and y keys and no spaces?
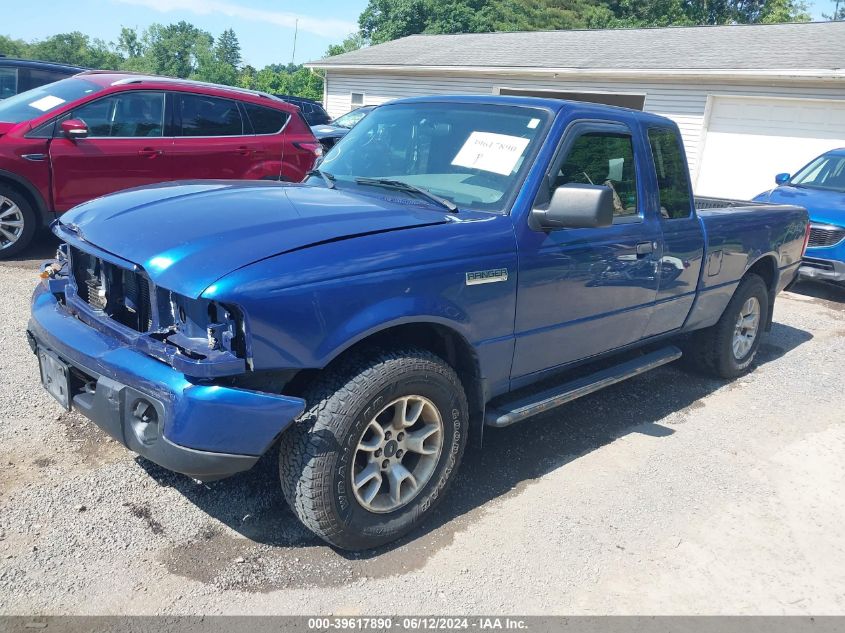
{"x":655,"y":404}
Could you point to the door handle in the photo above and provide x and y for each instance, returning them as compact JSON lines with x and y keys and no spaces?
{"x":645,"y":248}
{"x":149,"y":152}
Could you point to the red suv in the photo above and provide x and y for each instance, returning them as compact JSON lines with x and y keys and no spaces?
{"x":98,"y":132}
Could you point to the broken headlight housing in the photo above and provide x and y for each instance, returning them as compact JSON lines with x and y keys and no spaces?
{"x":200,"y":329}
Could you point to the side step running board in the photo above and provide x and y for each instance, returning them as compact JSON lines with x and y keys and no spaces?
{"x":509,"y":412}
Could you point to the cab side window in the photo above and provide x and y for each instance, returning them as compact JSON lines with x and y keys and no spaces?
{"x":672,"y":180}
{"x":604,"y":158}
{"x":125,"y":114}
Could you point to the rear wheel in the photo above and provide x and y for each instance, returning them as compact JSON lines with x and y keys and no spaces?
{"x":377,"y":446}
{"x":17,"y":222}
{"x":728,"y":348}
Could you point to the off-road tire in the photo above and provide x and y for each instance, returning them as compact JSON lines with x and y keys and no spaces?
{"x":30,"y":220}
{"x":316,"y":453}
{"x":711,"y":351}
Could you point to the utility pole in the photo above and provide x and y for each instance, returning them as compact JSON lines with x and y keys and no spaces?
{"x":295,"y":32}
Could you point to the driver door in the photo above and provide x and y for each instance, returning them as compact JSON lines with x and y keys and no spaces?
{"x":588,"y":290}
{"x":126,"y":147}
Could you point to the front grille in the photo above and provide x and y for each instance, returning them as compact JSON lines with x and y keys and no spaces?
{"x":825,"y":235}
{"x":120,"y":293}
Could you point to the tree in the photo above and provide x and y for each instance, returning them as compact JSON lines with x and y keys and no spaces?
{"x":533,"y":15}
{"x":129,"y":43}
{"x":838,"y":11}
{"x":12,"y":47}
{"x":352,"y":42}
{"x":228,"y":49}
{"x":176,"y":49}
{"x":76,"y":48}
{"x":689,"y":12}
{"x":246,"y":77}
{"x":385,"y":20}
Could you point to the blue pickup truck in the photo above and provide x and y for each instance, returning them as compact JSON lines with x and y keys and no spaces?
{"x":454,"y":262}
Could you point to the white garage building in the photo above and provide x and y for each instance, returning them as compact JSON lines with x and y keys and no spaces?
{"x":751,"y":101}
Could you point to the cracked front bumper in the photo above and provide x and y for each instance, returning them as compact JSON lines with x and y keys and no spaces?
{"x":205,"y":431}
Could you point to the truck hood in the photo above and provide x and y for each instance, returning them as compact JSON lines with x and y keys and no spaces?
{"x":186,"y":236}
{"x":825,"y":207}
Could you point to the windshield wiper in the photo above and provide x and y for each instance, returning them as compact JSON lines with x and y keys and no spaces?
{"x":400,"y":185}
{"x":326,"y":176}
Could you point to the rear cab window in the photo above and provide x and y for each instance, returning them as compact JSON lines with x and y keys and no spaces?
{"x":671,"y":172}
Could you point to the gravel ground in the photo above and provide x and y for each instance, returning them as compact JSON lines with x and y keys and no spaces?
{"x":670,"y":494}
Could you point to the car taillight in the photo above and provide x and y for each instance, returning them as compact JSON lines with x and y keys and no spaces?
{"x":806,"y":238}
{"x":315,"y":147}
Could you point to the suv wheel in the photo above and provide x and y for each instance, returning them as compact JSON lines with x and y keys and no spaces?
{"x":17,"y":222}
{"x":376,"y":447}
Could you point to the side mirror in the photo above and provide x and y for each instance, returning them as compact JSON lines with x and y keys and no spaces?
{"x":576,"y":206}
{"x":782,"y":179}
{"x":74,"y":129}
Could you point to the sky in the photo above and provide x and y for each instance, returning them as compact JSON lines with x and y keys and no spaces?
{"x":265,"y":28}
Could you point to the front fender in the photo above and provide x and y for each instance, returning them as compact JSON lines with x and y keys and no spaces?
{"x":387,"y":314}
{"x":304,"y":308}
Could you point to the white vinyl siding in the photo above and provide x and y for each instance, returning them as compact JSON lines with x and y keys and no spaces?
{"x":685,"y":103}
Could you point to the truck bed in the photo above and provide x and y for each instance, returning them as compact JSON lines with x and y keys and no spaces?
{"x":705,"y":202}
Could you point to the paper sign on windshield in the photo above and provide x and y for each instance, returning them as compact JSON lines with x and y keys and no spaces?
{"x":498,"y":153}
{"x":47,"y":103}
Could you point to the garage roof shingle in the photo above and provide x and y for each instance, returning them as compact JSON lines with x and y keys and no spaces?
{"x":814,"y":45}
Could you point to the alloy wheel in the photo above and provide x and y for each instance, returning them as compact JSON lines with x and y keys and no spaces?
{"x":747,"y":324}
{"x":11,"y":223}
{"x":397,"y":454}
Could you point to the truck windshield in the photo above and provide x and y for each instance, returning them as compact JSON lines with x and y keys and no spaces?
{"x":472,"y":155}
{"x":825,"y":172}
{"x":33,"y":103}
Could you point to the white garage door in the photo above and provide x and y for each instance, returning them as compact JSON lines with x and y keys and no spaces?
{"x":749,"y":140}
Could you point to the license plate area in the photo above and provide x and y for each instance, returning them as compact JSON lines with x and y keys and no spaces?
{"x":55,"y":376}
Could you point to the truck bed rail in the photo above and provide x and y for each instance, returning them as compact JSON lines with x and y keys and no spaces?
{"x":706,"y":202}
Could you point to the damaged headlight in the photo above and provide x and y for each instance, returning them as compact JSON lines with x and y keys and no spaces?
{"x":200,"y":328}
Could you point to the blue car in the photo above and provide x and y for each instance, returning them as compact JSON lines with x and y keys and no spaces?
{"x":820,"y":188}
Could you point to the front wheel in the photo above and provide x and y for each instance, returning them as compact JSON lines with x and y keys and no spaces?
{"x":379,"y":442}
{"x":728,"y":348}
{"x":17,"y":222}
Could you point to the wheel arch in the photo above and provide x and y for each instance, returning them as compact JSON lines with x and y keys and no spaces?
{"x":766,"y":268}
{"x":435,"y":335}
{"x":29,"y":191}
